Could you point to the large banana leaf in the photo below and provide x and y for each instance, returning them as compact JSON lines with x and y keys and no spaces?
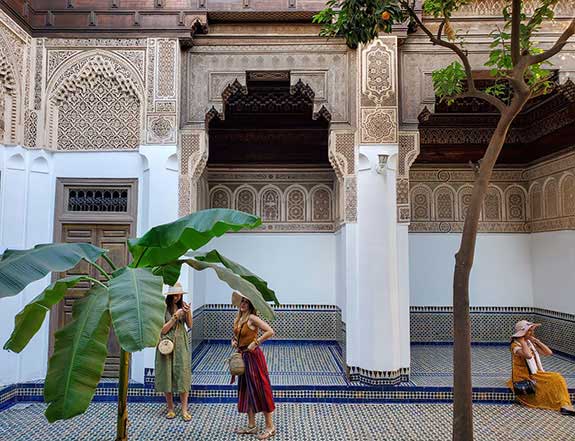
{"x":19,"y":268}
{"x":137,"y":307}
{"x":170,"y":272}
{"x":30,"y":319}
{"x":261,"y":285}
{"x":166,"y":243}
{"x":237,"y":283}
{"x":79,"y":356}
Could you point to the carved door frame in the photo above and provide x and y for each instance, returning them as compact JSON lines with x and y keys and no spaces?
{"x":62,"y":217}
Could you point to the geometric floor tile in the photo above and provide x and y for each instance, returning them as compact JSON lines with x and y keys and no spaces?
{"x":289,"y":363}
{"x":295,"y":422}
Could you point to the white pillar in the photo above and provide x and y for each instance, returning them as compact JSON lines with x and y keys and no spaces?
{"x":378,"y":332}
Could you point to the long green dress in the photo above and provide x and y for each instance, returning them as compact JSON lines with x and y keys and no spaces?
{"x":174,"y":371}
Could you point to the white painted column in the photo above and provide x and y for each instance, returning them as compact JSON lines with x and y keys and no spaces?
{"x":378,"y":332}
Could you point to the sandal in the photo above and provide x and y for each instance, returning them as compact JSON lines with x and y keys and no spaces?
{"x":171,"y":415}
{"x":268,"y":433}
{"x":186,"y":416}
{"x":247,"y":430}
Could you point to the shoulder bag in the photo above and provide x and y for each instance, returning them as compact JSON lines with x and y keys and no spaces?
{"x":236,"y":361}
{"x":523,"y":387}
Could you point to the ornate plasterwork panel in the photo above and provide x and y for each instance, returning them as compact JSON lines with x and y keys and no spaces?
{"x":494,"y":8}
{"x":328,"y":68}
{"x":342,"y":156}
{"x":378,"y":92}
{"x":95,"y":103}
{"x":286,"y":200}
{"x":535,"y":199}
{"x":193,"y":157}
{"x":15,"y":80}
{"x":408,"y":150}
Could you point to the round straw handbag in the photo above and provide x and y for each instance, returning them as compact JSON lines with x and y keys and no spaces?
{"x":166,"y":346}
{"x":237,"y":365}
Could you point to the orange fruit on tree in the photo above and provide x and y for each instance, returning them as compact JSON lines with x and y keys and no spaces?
{"x":385,"y":15}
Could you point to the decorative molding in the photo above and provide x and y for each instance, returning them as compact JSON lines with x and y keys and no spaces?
{"x":494,"y":8}
{"x":288,"y":201}
{"x":535,"y":199}
{"x":379,"y":378}
{"x":193,"y":157}
{"x":378,"y":73}
{"x":408,"y":150}
{"x":378,"y":126}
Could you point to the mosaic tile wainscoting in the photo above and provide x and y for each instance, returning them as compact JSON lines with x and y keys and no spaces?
{"x":434,"y":324}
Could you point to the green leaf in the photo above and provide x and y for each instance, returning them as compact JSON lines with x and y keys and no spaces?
{"x":137,"y":307}
{"x":237,"y":283}
{"x":261,"y":285}
{"x":76,"y":366}
{"x":19,"y":268}
{"x":169,"y":272}
{"x":30,"y":319}
{"x":167,"y":243}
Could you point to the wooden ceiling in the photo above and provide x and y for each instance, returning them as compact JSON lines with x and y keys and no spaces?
{"x":460,"y":133}
{"x":268,"y":122}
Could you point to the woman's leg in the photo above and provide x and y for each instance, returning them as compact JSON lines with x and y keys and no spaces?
{"x":170,"y":401}
{"x":251,"y":419}
{"x":269,"y":420}
{"x":184,"y":401}
{"x":270,"y":429}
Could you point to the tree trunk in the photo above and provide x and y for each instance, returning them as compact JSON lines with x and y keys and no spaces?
{"x":122,"y":423}
{"x":462,"y":387}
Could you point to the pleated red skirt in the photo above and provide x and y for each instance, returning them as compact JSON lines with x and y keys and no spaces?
{"x":255,"y":391}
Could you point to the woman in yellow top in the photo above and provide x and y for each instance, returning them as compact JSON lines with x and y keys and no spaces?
{"x":550,"y":387}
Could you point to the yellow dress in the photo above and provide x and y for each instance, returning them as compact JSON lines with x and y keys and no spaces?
{"x":550,"y":387}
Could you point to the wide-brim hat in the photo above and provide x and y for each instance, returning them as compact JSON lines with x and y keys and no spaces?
{"x":176,"y":289}
{"x":522,"y":327}
{"x":237,"y":298}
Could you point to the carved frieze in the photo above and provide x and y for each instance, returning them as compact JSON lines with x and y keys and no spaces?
{"x":378,"y":126}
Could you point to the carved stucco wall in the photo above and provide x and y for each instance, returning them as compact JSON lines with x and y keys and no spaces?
{"x":103,"y":94}
{"x":15,"y":59}
{"x":493,"y":8}
{"x":538,"y":198}
{"x":329,"y":68}
{"x":418,"y":58}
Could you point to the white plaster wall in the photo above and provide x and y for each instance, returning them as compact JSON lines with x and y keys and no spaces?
{"x":340,"y":271}
{"x":300,"y":268}
{"x":27,"y":199}
{"x":553,"y":257}
{"x":501,"y":274}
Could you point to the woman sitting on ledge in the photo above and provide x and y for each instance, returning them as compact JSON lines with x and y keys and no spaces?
{"x":550,"y":387}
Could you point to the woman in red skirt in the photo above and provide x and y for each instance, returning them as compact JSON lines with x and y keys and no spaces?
{"x":255,"y":392}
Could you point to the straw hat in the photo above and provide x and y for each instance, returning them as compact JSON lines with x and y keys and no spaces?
{"x":237,"y":298}
{"x":176,"y":289}
{"x":522,"y":326}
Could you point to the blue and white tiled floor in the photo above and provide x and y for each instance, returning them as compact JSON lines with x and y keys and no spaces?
{"x":295,"y":422}
{"x":320,"y":364}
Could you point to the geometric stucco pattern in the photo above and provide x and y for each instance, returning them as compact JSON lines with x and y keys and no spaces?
{"x":408,"y":149}
{"x":15,"y":55}
{"x":493,"y":8}
{"x":342,"y":157}
{"x":95,"y":104}
{"x":378,"y":97}
{"x":193,"y":157}
{"x":537,"y":198}
{"x":286,"y":201}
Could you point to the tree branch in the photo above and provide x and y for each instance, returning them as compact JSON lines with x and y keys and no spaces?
{"x":440,"y":30}
{"x":515,"y":31}
{"x":494,"y":101}
{"x":471,"y":90}
{"x":556,"y":48}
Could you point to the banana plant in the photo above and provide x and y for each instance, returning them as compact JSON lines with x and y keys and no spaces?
{"x":129,"y":300}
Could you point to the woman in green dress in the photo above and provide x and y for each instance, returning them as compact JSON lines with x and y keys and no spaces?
{"x":174,"y":370}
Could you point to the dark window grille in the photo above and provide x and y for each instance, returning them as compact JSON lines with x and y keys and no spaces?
{"x":99,"y":200}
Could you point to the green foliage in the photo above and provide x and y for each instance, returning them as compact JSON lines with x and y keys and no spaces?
{"x":76,"y":366}
{"x":29,"y":321}
{"x":237,"y":283}
{"x":448,"y":81}
{"x":19,"y":268}
{"x":443,"y":8}
{"x":166,"y":243}
{"x":261,"y":285}
{"x":137,"y":308}
{"x":131,"y":298}
{"x":359,"y":21}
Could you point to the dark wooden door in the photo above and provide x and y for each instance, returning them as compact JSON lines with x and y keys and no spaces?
{"x":112,"y":238}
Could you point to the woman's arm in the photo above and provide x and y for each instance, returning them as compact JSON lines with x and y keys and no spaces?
{"x":525,"y":351}
{"x":268,"y":332}
{"x":188,"y":315}
{"x":169,"y":325}
{"x":541,"y":346}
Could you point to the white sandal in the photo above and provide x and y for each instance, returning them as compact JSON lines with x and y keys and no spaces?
{"x":246,"y":430}
{"x":268,"y":433}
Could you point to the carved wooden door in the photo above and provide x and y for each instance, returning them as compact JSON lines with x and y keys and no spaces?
{"x":112,"y":238}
